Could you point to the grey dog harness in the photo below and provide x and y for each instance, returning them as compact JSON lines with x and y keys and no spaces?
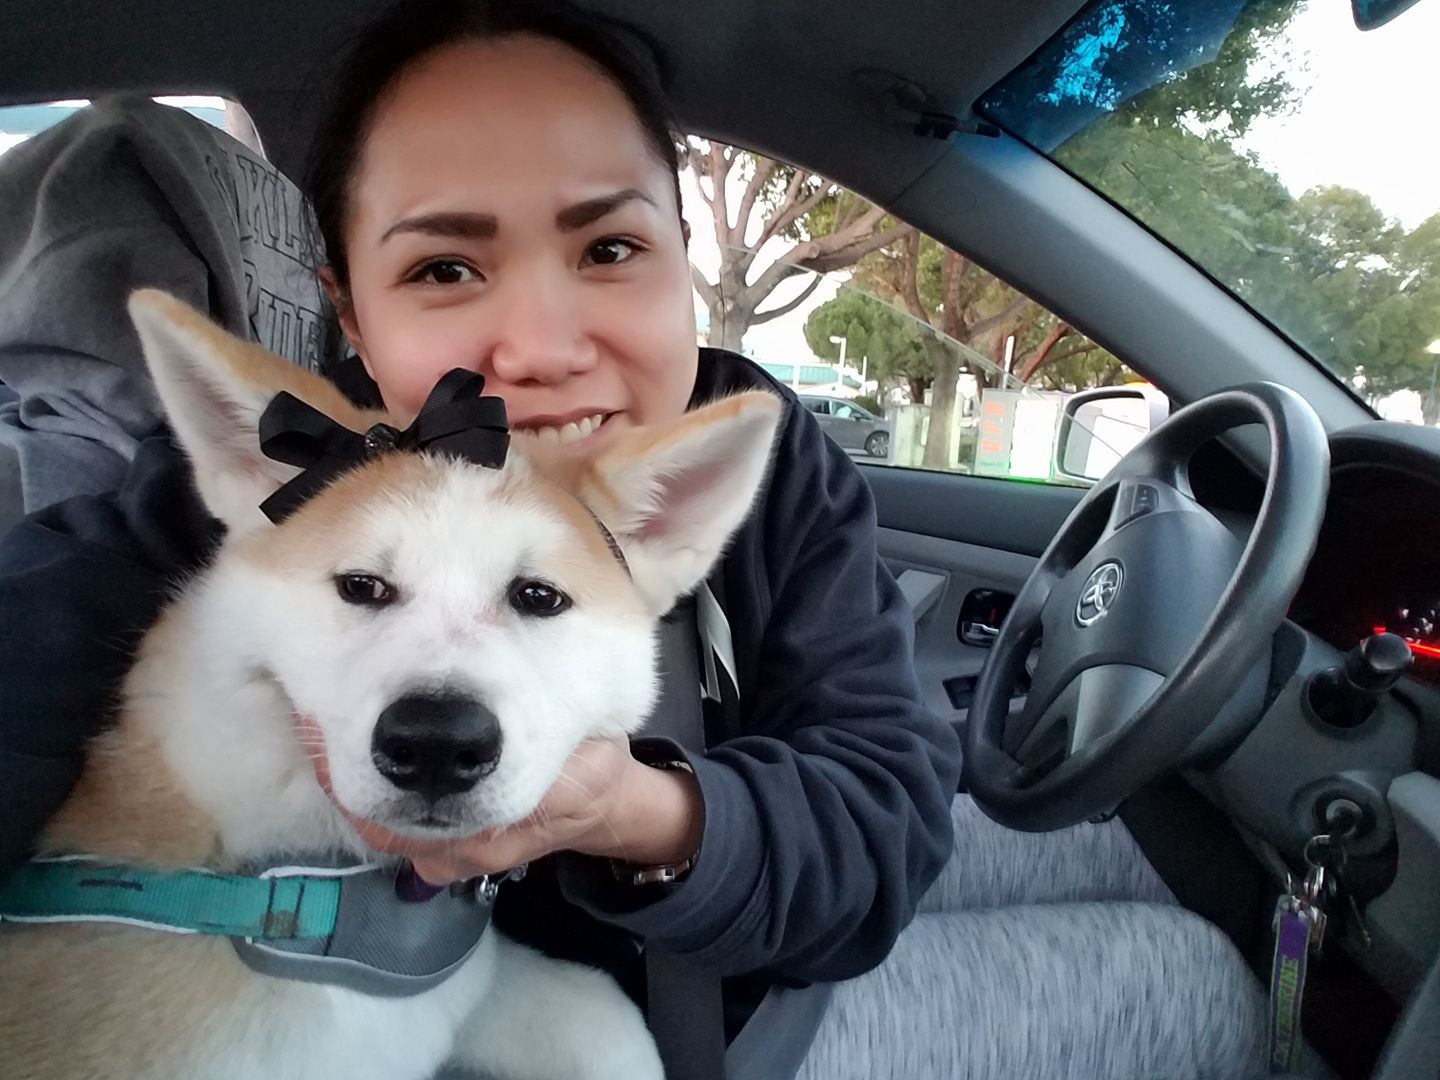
{"x":394,"y":936}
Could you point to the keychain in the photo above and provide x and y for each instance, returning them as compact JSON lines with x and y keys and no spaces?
{"x":1300,"y":923}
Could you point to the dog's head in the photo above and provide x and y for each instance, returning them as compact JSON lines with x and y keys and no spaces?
{"x":454,"y":631}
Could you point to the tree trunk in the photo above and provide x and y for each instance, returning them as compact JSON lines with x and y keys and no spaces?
{"x":727,"y":330}
{"x":942,"y":403}
{"x":726,"y":302}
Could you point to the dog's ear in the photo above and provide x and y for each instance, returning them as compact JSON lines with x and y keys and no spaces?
{"x":214,"y":388}
{"x":673,"y":494}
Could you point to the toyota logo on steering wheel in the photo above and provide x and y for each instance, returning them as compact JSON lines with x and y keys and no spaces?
{"x":1097,"y":595}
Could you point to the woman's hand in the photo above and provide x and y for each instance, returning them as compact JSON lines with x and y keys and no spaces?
{"x":603,"y":803}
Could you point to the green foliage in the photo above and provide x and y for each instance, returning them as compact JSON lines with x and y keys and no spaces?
{"x":901,"y":350}
{"x":1346,"y":282}
{"x":870,"y":404}
{"x":887,"y":338}
{"x":1246,"y":78}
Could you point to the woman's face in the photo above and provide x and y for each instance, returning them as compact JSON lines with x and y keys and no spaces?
{"x":507,"y":216}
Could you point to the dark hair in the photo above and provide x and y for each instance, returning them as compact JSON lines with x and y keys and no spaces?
{"x":410,"y":30}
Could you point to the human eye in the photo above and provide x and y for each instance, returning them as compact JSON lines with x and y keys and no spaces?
{"x":611,"y":251}
{"x":442,"y":272}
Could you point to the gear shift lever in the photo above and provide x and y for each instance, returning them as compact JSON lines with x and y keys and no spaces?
{"x":1345,"y":695}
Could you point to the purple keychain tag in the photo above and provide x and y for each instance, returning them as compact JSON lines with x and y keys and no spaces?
{"x":1299,"y":930}
{"x":1287,"y":985}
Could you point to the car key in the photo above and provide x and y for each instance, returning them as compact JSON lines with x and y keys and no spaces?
{"x":1328,"y":850}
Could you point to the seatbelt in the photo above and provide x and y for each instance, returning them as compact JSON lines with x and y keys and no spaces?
{"x":686,"y":1010}
{"x":686,"y":1007}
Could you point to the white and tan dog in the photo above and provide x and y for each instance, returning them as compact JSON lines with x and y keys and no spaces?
{"x":410,"y":571}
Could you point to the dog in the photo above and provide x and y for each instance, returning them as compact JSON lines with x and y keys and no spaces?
{"x":208,"y":766}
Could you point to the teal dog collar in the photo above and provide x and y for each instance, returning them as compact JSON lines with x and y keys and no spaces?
{"x":371,"y":928}
{"x":184,"y":901}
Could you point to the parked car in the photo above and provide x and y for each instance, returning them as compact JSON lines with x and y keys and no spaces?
{"x":849,"y":425}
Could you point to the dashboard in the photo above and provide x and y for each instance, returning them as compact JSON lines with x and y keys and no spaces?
{"x":1376,"y":566}
{"x":1377,"y":559}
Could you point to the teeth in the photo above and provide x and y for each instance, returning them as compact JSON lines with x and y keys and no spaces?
{"x":568,"y":433}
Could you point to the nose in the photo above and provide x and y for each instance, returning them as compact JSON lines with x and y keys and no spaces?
{"x":436,"y":743}
{"x":540,"y":338}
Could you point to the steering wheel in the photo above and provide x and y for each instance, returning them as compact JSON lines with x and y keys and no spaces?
{"x":1149,"y":612}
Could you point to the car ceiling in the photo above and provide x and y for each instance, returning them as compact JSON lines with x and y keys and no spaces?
{"x":785,"y":76}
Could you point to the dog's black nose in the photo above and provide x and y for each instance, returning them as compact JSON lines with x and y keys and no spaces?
{"x":436,"y":743}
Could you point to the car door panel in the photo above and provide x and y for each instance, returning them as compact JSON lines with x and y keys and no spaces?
{"x":972,"y":533}
{"x":1005,"y":515}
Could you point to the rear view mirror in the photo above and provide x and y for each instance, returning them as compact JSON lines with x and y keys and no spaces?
{"x":1369,"y":14}
{"x":1099,"y":427}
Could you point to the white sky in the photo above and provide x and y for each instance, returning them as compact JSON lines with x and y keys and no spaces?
{"x":1368,"y":119}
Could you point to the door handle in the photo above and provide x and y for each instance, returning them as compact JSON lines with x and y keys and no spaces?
{"x":978,"y":633}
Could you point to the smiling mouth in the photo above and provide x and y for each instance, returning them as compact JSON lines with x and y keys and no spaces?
{"x":563,"y":434}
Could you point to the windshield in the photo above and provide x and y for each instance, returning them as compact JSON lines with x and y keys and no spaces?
{"x":1277,"y":146}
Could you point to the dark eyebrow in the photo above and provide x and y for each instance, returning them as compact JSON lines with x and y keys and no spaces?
{"x":452,"y":223}
{"x":592,"y":210}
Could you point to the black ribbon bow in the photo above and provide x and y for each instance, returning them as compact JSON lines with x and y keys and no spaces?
{"x":454,"y":420}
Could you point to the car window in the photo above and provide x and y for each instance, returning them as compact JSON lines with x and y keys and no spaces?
{"x":843,"y":303}
{"x":21,"y":122}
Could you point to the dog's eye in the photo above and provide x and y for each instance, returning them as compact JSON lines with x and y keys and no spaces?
{"x":367,"y":590}
{"x":531,"y":597}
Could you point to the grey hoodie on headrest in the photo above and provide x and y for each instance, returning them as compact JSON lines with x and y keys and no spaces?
{"x":126,"y":194}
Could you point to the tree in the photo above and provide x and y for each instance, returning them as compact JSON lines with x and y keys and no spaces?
{"x":1064,"y":359}
{"x":1226,"y":93}
{"x":954,"y":302}
{"x":887,"y":339}
{"x":828,"y":229}
{"x":1348,"y":284}
{"x":946,"y":316}
{"x":1049,"y":353}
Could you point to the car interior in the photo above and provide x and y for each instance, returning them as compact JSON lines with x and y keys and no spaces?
{"x":1250,"y":704}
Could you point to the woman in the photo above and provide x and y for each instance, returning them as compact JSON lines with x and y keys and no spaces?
{"x":496,"y":190}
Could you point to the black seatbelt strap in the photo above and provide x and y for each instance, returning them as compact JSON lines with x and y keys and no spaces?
{"x":686,"y":1011}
